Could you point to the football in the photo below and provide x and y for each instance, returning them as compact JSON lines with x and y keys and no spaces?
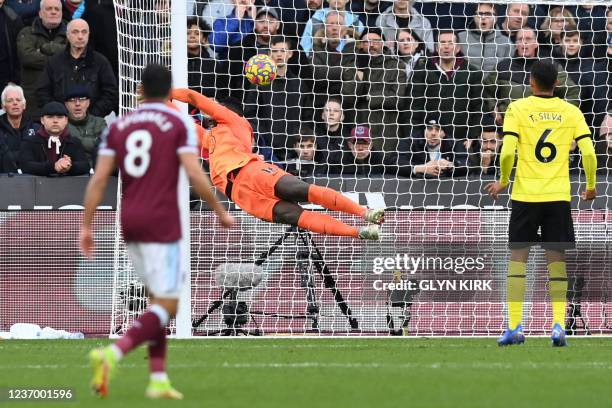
{"x":260,"y":70}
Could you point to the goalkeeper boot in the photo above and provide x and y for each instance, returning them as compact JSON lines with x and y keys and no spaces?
{"x":511,"y":337}
{"x":370,"y":232}
{"x":375,"y":216}
{"x":558,"y":336}
{"x":103,"y":362}
{"x":162,"y":389}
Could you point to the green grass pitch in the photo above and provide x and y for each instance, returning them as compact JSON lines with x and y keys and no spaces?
{"x":335,"y":373}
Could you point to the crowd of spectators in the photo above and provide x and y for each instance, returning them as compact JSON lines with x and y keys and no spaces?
{"x":363,"y":88}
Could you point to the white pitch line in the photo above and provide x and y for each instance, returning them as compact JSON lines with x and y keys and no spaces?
{"x":342,"y":365}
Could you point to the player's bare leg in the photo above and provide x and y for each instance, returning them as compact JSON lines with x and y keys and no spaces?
{"x":151,"y":328}
{"x":292,"y":189}
{"x":286,"y":212}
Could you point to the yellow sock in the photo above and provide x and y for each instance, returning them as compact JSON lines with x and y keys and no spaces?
{"x":516,"y":292}
{"x":557,"y":289}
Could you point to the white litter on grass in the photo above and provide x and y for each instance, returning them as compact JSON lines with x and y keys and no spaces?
{"x":30,"y":331}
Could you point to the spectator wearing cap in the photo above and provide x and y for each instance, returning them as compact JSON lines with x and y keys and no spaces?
{"x":205,"y":74}
{"x":231,"y":29}
{"x":484,"y":153}
{"x":267,"y":25}
{"x":316,"y":25}
{"x":14,"y":125}
{"x":358,"y":159}
{"x":435,"y":155}
{"x":10,"y":26}
{"x":275,"y":110}
{"x":380,"y":90}
{"x":402,"y":14}
{"x":79,"y":65}
{"x":82,"y":125}
{"x":37,"y":43}
{"x":481,"y":43}
{"x":446,"y":83}
{"x":51,"y":151}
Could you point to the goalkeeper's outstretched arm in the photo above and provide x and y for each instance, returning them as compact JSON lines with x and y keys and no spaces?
{"x":209,"y":106}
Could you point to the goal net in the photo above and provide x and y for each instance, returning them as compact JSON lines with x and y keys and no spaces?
{"x":397,"y":105}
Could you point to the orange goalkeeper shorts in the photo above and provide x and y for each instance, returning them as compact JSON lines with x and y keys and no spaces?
{"x":253,"y":188}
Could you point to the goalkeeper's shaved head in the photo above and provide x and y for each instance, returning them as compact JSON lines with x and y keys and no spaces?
{"x":156,"y":82}
{"x":544,"y":75}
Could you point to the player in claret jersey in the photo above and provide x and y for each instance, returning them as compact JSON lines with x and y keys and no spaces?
{"x":265,"y":190}
{"x":542,"y":127}
{"x":149,"y":146}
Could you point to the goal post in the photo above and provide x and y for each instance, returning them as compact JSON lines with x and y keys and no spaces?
{"x":319,"y":285}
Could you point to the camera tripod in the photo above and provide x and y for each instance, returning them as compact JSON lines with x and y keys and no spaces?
{"x":236,"y":314}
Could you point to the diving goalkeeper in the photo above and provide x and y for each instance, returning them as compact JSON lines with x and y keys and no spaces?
{"x":265,"y":190}
{"x":542,"y":127}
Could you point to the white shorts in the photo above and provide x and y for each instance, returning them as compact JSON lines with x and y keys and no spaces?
{"x":160,"y":266}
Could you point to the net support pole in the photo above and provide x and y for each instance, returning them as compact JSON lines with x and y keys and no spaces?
{"x":178,"y":28}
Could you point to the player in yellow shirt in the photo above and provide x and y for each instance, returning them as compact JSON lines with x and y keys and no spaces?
{"x":542,"y":128}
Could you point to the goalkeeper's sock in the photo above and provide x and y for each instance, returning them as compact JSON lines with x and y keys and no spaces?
{"x":516,"y":292}
{"x":145,"y":328}
{"x":325,"y":224}
{"x":333,"y":200}
{"x":157,"y":354}
{"x":557,"y":290}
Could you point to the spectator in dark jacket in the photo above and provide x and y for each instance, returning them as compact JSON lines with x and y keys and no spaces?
{"x":79,"y":64}
{"x":6,"y":164}
{"x":331,"y":131}
{"x":381,"y":90}
{"x":435,"y":155}
{"x":369,"y":10}
{"x":27,"y":10}
{"x":82,"y":125}
{"x":584,"y":72}
{"x":448,"y":84}
{"x":205,"y":74}
{"x":45,"y":38}
{"x":592,"y":26}
{"x":275,"y":111}
{"x":295,"y":14}
{"x":52,"y":151}
{"x":14,"y":126}
{"x":103,"y":34}
{"x":10,"y":26}
{"x":517,"y":18}
{"x":333,"y":60}
{"x":303,"y":159}
{"x":358,"y":159}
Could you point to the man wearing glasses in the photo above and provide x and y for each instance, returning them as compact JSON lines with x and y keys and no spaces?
{"x":83,"y":125}
{"x":481,"y":43}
